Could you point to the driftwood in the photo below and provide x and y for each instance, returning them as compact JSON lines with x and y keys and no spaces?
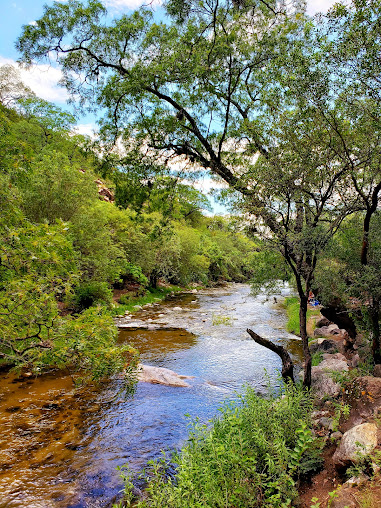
{"x":287,"y":365}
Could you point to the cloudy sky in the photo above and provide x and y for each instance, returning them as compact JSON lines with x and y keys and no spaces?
{"x":43,"y":79}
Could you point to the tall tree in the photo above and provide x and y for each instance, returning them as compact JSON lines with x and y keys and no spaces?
{"x":205,"y":87}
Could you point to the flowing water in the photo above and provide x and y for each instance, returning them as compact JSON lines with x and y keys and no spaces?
{"x":60,"y":447}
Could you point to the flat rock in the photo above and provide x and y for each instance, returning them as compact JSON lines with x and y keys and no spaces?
{"x":355,"y":443}
{"x":331,"y":330}
{"x":161,"y":376}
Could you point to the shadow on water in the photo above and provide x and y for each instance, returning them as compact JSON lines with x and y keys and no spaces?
{"x":59,"y":447}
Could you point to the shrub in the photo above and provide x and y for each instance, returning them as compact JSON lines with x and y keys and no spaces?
{"x":250,"y":457}
{"x":90,"y":293}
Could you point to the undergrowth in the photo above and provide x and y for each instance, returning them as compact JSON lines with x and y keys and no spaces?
{"x":130,"y":304}
{"x":292,"y":308}
{"x":251,"y":456}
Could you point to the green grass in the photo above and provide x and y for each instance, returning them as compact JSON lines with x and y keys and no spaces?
{"x":251,"y":456}
{"x":292,"y":308}
{"x":151,"y":296}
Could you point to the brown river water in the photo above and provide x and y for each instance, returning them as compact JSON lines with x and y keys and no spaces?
{"x":59,"y":447}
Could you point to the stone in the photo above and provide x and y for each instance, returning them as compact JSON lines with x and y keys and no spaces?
{"x":321,"y":378}
{"x":332,"y":357}
{"x":372,"y":385}
{"x":331,"y":330}
{"x":377,"y":370}
{"x":357,"y":480}
{"x":344,"y":499}
{"x":162,"y":376}
{"x":326,"y":345}
{"x":177,"y":308}
{"x":326,"y":422}
{"x":355,"y":443}
{"x":336,"y":435}
{"x":355,"y":360}
{"x":322,"y":322}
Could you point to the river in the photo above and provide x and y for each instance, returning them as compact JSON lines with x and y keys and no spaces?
{"x":60,"y":447}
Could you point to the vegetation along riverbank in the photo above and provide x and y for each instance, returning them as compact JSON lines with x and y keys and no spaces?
{"x":280,"y":112}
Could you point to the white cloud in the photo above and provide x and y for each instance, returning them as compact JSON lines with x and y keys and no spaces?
{"x":87,"y":129}
{"x":130,"y":4}
{"x":314,"y":6}
{"x":42,"y":79}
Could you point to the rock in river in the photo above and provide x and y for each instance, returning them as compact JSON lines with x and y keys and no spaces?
{"x":162,"y":376}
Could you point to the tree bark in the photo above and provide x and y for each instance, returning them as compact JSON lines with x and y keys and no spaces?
{"x":288,"y":366}
{"x":374,"y":312}
{"x":153,"y":279}
{"x":304,"y":337}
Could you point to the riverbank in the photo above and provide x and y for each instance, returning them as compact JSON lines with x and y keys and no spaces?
{"x":61,"y":446}
{"x":346,"y":417}
{"x":132,"y":299}
{"x":344,"y":404}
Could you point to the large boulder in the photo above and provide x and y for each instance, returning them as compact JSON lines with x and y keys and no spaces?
{"x":357,"y":442}
{"x":331,"y":331}
{"x":323,"y":345}
{"x":162,"y":376}
{"x":321,"y":376}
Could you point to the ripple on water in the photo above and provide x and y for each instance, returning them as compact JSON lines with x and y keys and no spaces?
{"x":59,"y":448}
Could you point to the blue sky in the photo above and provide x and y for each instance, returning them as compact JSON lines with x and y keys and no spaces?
{"x":43,"y":79}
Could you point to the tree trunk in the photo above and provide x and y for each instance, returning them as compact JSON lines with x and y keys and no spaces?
{"x":153,"y":279}
{"x":287,"y":365}
{"x":304,"y":337}
{"x":374,"y":313}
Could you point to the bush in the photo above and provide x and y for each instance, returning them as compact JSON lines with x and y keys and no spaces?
{"x":250,"y":457}
{"x":90,"y":293}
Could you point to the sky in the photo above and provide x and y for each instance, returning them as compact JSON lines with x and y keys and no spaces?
{"x":43,"y":79}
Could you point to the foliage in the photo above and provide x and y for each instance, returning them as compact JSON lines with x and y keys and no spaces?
{"x":90,"y":293}
{"x":37,"y":271}
{"x":317,"y":358}
{"x":250,"y":456}
{"x":130,"y":304}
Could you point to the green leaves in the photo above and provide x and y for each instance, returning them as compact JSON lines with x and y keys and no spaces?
{"x":246,"y":458}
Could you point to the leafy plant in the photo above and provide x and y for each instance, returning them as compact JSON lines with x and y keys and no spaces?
{"x":91,"y":293}
{"x":342,"y":410}
{"x":317,"y":358}
{"x":249,"y":457}
{"x":218,"y":319}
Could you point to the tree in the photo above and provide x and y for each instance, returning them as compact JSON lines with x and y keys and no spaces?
{"x":205,"y":89}
{"x":357,"y":57}
{"x":12,"y":89}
